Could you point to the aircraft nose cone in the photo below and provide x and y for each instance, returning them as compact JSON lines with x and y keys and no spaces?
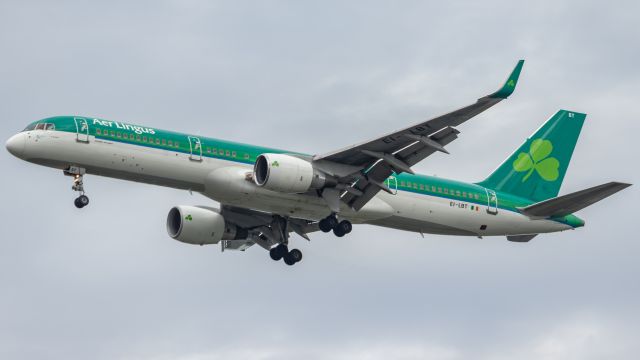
{"x":15,"y":145}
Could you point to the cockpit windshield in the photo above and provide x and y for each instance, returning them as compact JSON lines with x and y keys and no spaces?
{"x":40,"y":126}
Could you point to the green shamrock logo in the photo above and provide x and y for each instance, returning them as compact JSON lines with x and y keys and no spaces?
{"x":538,"y":159}
{"x":188,"y":217}
{"x":275,"y":164}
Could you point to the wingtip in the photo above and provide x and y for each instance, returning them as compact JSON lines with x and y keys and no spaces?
{"x":510,"y":85}
{"x":622,"y":185}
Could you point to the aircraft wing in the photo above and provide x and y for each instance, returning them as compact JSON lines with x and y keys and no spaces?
{"x":396,"y":152}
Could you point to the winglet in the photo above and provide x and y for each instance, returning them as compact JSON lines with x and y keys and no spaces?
{"x":510,"y":84}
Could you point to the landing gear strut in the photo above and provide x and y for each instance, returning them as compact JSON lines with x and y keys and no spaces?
{"x":340,"y":228}
{"x":78,"y":173}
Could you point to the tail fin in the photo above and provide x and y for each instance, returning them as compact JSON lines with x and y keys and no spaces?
{"x":536,"y":170}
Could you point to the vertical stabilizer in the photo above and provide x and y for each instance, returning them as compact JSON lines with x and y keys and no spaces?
{"x":536,"y":170}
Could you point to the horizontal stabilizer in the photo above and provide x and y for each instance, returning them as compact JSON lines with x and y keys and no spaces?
{"x":570,"y":203}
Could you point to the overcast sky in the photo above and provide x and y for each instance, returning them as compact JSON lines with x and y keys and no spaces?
{"x":106,"y":282}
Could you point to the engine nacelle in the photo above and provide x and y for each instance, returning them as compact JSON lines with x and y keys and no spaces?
{"x":288,"y":174}
{"x":201,"y":225}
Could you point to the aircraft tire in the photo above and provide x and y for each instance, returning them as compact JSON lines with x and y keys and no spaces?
{"x":346,"y":226}
{"x":332,"y":221}
{"x":324,"y":225}
{"x":296,"y":255}
{"x":274,"y":253}
{"x":83,"y":200}
{"x":289,"y":260}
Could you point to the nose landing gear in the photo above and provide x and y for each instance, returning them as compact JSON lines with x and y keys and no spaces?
{"x":78,"y":185}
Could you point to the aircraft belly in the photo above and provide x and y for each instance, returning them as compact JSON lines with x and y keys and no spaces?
{"x":419,"y":226}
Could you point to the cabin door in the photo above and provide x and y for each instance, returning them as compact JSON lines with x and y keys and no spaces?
{"x":196,"y":148}
{"x":492,"y":202}
{"x":392,"y":184}
{"x":82,"y":129}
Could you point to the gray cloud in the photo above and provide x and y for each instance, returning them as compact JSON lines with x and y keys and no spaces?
{"x":107,"y":282}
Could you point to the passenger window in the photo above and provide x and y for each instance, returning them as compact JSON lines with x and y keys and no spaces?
{"x":227,"y":153}
{"x":164,"y":142}
{"x":157,"y":141}
{"x":246,"y":156}
{"x":214,"y":151}
{"x":433,"y":189}
{"x":170,"y":143}
{"x":113,"y":133}
{"x":144,"y":139}
{"x":233,"y":154}
{"x":440,"y":190}
{"x":446,"y":191}
{"x":98,"y":131}
{"x":119,"y":134}
{"x":421,"y":186}
{"x":209,"y":150}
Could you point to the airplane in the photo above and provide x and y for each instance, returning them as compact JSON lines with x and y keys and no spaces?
{"x":267,"y":194}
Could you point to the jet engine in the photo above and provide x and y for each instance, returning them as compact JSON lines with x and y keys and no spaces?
{"x":288,"y":174}
{"x":200,"y":225}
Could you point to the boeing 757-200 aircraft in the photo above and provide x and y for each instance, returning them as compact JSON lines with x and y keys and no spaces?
{"x":266,"y":194}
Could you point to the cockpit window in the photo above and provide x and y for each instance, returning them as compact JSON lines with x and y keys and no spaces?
{"x":40,"y":126}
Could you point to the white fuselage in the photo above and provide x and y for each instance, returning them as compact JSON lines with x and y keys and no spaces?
{"x":229,"y":182}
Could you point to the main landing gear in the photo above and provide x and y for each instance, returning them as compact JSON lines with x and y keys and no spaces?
{"x":340,"y":228}
{"x":78,"y":173}
{"x":281,"y":251}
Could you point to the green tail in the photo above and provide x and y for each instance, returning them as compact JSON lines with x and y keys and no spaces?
{"x":536,"y":170}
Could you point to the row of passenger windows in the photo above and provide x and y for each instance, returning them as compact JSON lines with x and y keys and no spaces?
{"x":440,"y":190}
{"x":165,"y":142}
{"x":227,"y":153}
{"x":138,"y":137}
